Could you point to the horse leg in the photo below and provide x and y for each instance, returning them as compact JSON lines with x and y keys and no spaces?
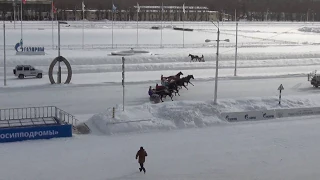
{"x":185,"y":87}
{"x":191,"y":83}
{"x":161,"y":98}
{"x":177,"y":92}
{"x":171,"y":97}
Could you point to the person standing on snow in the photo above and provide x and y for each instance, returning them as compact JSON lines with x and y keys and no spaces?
{"x":142,"y":158}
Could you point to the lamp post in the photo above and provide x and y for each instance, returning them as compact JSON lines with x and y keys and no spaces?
{"x":217,"y":62}
{"x":59,"y":70}
{"x":4,"y":55}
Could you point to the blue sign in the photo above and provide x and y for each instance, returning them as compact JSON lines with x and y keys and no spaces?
{"x":32,"y":133}
{"x":19,"y":48}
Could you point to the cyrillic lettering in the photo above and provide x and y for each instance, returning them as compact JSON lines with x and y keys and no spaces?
{"x":22,"y":134}
{"x":45,"y":133}
{"x":16,"y":135}
{"x":8,"y":135}
{"x":31,"y":135}
{"x":2,"y":136}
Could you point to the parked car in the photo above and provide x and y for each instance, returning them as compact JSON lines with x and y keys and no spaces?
{"x":22,"y":71}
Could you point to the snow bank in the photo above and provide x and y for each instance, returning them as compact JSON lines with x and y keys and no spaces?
{"x":184,"y":114}
{"x":310,"y":29}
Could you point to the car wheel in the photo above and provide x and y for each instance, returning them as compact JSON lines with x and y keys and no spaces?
{"x":39,"y":76}
{"x":21,"y":76}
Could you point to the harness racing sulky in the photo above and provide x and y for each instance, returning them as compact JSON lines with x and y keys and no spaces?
{"x":169,"y":85}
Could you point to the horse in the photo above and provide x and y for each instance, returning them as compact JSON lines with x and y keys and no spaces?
{"x":193,"y":57}
{"x":177,"y":76}
{"x":173,"y":88}
{"x":180,"y":83}
{"x":164,"y":93}
{"x":187,"y":79}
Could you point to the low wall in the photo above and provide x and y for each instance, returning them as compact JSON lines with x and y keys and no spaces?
{"x":269,"y":114}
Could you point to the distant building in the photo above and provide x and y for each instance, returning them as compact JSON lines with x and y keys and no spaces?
{"x":41,"y":10}
{"x":32,"y":10}
{"x":147,"y":13}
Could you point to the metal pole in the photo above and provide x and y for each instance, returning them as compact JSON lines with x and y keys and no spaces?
{"x":112,"y":27}
{"x":161,"y":25}
{"x":52,"y":17}
{"x":236,"y":55}
{"x":217,"y":68}
{"x":183,"y":29}
{"x":21,"y":22}
{"x":4,"y":54}
{"x":14,"y":14}
{"x":82,"y":29}
{"x":137,"y":27}
{"x":123,"y":77}
{"x":59,"y":70}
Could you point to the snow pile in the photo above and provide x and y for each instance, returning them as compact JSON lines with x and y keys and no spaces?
{"x":164,"y":116}
{"x":310,"y":29}
{"x":184,"y":114}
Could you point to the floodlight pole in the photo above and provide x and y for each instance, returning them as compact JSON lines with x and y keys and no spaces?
{"x":4,"y":55}
{"x":217,"y":68}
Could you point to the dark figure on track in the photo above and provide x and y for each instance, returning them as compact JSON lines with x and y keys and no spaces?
{"x":141,"y":154}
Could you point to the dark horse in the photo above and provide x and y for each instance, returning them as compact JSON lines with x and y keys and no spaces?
{"x":181,"y":82}
{"x":164,"y":93}
{"x":172,"y":87}
{"x":175,"y":77}
{"x":187,"y":79}
{"x":193,"y":57}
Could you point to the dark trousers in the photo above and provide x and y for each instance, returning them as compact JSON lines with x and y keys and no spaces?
{"x":142,"y":168}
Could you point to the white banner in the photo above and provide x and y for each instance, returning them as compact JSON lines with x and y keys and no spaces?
{"x":297,"y":112}
{"x":269,"y":114}
{"x":249,"y":116}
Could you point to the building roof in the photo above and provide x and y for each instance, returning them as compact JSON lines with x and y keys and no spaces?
{"x":173,"y":7}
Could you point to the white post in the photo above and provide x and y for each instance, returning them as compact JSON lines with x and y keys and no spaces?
{"x":217,"y":68}
{"x":4,"y":54}
{"x":21,"y":22}
{"x":236,"y":55}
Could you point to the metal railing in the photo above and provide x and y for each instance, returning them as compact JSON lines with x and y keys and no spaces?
{"x":37,"y":112}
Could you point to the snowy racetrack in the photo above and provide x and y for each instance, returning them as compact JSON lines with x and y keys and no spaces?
{"x":270,"y":54}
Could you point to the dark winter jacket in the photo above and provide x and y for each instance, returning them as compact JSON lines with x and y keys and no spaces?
{"x":142,"y":155}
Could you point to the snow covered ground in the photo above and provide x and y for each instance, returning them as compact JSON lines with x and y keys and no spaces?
{"x":269,"y":54}
{"x":281,"y":149}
